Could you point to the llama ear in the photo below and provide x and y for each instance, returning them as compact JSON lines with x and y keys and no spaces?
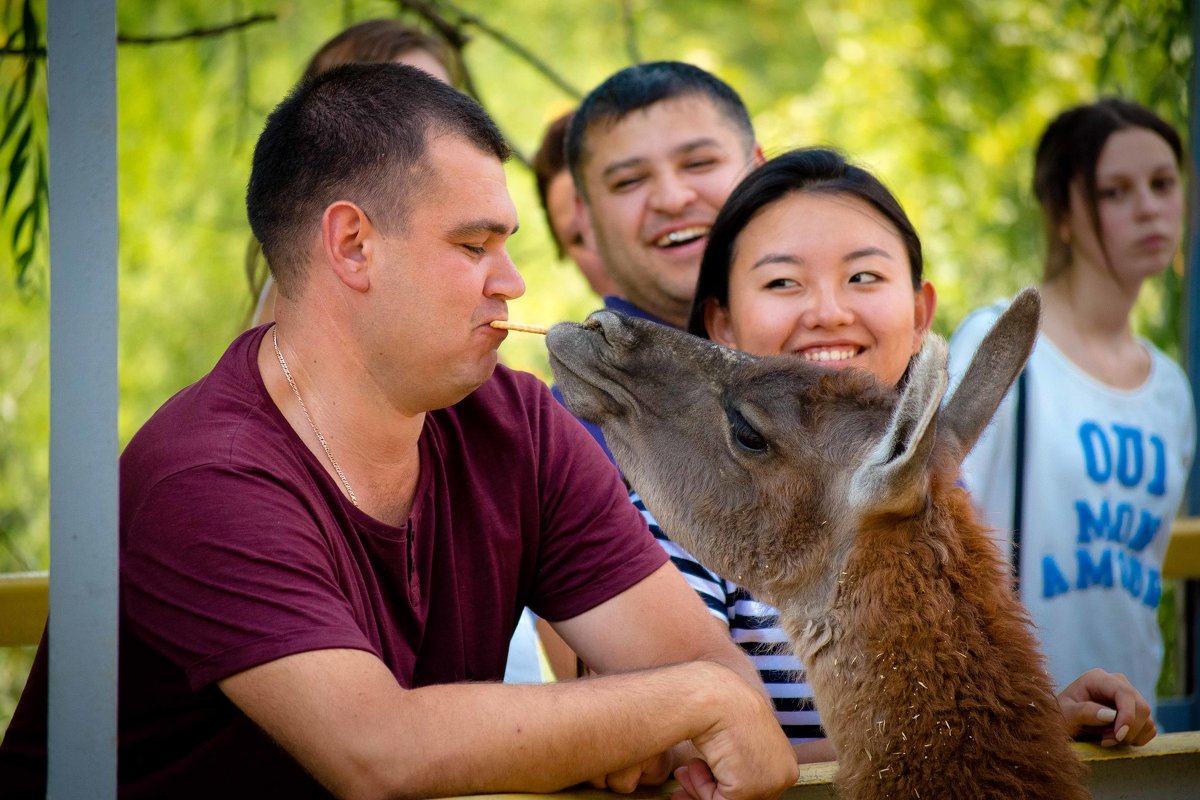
{"x":996,"y":364}
{"x":895,"y":474}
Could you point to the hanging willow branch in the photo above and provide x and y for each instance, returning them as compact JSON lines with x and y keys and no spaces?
{"x":24,"y":184}
{"x":437,"y":14}
{"x":197,"y":33}
{"x":431,"y":13}
{"x":25,"y":52}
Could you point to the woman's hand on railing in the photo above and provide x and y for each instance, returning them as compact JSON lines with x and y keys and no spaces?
{"x":1105,"y":706}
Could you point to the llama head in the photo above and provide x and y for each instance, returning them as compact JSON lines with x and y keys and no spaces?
{"x":763,"y":467}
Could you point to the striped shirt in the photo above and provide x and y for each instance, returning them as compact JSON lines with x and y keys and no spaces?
{"x":754,"y":626}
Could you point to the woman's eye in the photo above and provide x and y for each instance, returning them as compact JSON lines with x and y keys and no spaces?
{"x":781,"y":283}
{"x":744,"y":434}
{"x":1110,"y":192}
{"x":865,"y":277}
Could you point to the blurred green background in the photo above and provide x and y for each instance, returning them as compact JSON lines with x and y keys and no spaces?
{"x":944,"y":100}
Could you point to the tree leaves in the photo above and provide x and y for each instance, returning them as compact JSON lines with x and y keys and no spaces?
{"x":23,"y":143}
{"x":943,"y":101}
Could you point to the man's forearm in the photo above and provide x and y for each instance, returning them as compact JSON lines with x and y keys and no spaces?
{"x":620,"y":635}
{"x":814,"y":751}
{"x":727,"y":653}
{"x":544,"y":738}
{"x":362,"y":737}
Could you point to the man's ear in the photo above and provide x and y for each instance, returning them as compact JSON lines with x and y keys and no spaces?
{"x":757,"y":159}
{"x":347,"y":236}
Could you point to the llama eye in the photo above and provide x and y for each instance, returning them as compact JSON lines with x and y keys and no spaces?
{"x":744,"y":434}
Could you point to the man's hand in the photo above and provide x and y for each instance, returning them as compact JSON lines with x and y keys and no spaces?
{"x":651,"y":772}
{"x":1105,"y":705}
{"x":696,"y":782}
{"x":744,"y":754}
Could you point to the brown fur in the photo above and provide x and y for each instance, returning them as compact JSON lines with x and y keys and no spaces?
{"x":936,"y":688}
{"x":849,"y":521}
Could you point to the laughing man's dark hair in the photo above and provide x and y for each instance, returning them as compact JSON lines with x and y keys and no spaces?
{"x":641,"y":86}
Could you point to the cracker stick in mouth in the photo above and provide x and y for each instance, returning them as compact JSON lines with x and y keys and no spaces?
{"x":504,"y":325}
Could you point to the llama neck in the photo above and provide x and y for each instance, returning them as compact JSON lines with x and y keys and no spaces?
{"x":924,"y":663}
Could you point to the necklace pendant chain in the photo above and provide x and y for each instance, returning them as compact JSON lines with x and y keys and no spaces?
{"x":287,"y":373}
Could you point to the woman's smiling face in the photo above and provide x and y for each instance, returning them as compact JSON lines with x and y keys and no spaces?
{"x":825,"y":276}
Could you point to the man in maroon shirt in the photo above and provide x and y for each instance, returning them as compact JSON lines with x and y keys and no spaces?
{"x":327,"y":541}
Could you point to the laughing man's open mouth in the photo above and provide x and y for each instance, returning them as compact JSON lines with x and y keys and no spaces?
{"x":682,"y":236}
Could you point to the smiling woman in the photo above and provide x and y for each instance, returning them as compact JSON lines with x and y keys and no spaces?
{"x":814,"y":256}
{"x":824,"y":276}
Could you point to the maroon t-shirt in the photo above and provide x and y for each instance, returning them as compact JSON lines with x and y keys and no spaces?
{"x":237,"y":548}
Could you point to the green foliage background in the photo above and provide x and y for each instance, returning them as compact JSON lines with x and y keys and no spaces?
{"x":943,"y":100}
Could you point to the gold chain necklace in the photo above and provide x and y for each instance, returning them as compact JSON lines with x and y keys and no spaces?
{"x":287,"y":373}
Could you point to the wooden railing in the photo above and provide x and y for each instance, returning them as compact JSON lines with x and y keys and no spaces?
{"x":1166,"y":769}
{"x":1183,"y":549}
{"x":24,"y":600}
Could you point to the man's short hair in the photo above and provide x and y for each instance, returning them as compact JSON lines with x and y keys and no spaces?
{"x":641,"y":86}
{"x":359,"y":133}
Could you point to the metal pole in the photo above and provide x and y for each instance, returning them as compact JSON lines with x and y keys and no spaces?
{"x":81,"y":74}
{"x":1191,"y":349}
{"x":1191,"y":342}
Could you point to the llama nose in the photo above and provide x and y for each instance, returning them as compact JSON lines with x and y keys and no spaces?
{"x":612,"y":326}
{"x":593,"y":320}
